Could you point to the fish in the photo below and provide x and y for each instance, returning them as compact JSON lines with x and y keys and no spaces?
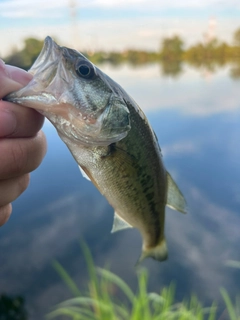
{"x":110,"y":138}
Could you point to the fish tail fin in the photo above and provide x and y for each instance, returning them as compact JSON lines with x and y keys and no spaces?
{"x":159,"y":252}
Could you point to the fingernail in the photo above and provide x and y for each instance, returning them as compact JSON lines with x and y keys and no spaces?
{"x":8,"y":123}
{"x":2,"y":63}
{"x":3,"y":67}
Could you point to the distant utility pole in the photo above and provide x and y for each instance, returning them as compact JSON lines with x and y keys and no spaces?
{"x":74,"y":24}
{"x":211,"y":32}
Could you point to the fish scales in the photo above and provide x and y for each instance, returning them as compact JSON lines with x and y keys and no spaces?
{"x":131,"y":178}
{"x":109,"y":137}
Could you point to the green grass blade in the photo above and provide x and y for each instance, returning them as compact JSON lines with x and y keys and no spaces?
{"x":104,"y":309}
{"x":74,"y":312}
{"x":233,"y":264}
{"x":100,"y":303}
{"x":89,"y":260}
{"x":212,"y":311}
{"x":67,"y":279}
{"x":113,"y":278}
{"x":143,"y":294}
{"x":66,"y":312}
{"x":141,"y":307}
{"x":94,"y":285}
{"x":229,"y":305}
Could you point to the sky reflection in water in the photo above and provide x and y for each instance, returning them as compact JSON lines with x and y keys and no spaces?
{"x":197,"y":120}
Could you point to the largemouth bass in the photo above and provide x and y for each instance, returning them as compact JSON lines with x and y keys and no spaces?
{"x":110,"y":138}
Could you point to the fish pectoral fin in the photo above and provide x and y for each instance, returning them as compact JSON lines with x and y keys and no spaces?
{"x":84,"y":173}
{"x":175,"y":198}
{"x":119,"y":223}
{"x":159,"y":252}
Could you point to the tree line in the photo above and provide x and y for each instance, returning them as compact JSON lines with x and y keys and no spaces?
{"x":171,"y":55}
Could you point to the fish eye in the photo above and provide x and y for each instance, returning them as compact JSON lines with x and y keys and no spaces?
{"x":85,"y":70}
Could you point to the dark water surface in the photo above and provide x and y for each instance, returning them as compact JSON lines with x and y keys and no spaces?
{"x":197,"y":120}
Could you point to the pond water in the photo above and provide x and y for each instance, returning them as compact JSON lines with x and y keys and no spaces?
{"x":196,"y":117}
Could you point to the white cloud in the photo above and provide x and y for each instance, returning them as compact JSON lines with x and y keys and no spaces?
{"x":117,"y":34}
{"x":38,"y":8}
{"x":181,"y":147}
{"x":160,"y":4}
{"x":95,"y":32}
{"x":27,"y":8}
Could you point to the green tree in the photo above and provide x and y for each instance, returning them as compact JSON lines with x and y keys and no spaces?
{"x":172,"y":69}
{"x":25,"y":58}
{"x":236,"y":37}
{"x":209,"y":55}
{"x":235,"y":70}
{"x":171,"y":48}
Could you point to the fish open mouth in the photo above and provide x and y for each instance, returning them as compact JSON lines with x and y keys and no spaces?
{"x":35,"y":94}
{"x":48,"y":55}
{"x":54,"y":92}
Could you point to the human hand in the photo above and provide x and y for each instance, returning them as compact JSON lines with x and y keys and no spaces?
{"x":22,"y":145}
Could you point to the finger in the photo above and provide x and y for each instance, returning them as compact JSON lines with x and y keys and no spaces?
{"x":5,"y":213}
{"x":7,"y":85}
{"x":18,"y":75}
{"x":20,"y":156}
{"x":12,"y":188}
{"x":18,"y":121}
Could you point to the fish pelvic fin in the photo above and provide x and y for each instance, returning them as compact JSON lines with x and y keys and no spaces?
{"x":175,"y":198}
{"x":159,"y":252}
{"x":84,"y":173}
{"x":119,"y":223}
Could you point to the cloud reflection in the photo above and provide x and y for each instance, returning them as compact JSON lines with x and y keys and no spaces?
{"x":195,"y":96}
{"x":202,"y":152}
{"x":180,"y":147}
{"x":199,"y":243}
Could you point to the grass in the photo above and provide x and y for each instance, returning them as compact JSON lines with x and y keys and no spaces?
{"x":99,"y":303}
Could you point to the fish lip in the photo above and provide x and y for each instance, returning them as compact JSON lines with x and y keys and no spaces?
{"x":47,"y":56}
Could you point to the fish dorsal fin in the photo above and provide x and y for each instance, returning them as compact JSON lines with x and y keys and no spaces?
{"x":175,"y":198}
{"x":84,"y":174}
{"x":119,"y":223}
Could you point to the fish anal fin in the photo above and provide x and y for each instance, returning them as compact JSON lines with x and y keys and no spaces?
{"x":159,"y":252}
{"x":119,"y":223}
{"x":175,"y":198}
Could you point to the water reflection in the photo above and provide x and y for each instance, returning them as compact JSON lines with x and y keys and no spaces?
{"x":173,"y":69}
{"x":235,"y":71}
{"x":12,"y":308}
{"x":197,"y":122}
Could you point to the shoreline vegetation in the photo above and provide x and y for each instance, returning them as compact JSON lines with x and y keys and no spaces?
{"x":108,"y":297}
{"x":172,"y":54}
{"x":99,"y":301}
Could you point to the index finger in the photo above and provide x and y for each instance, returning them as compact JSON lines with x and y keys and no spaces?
{"x":18,"y":75}
{"x":12,"y":79}
{"x":16,"y":121}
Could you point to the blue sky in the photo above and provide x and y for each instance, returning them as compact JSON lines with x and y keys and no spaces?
{"x":115,"y":25}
